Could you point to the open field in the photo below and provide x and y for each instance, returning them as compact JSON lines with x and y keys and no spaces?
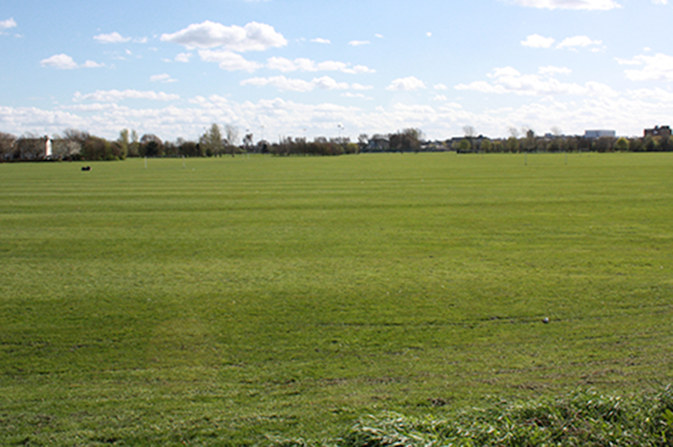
{"x":242,"y":300}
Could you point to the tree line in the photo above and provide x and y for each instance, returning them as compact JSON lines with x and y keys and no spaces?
{"x":216,"y":142}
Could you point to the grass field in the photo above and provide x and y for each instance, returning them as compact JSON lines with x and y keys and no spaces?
{"x":241,"y":300}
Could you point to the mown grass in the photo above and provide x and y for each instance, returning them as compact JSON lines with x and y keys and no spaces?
{"x":237,"y":301}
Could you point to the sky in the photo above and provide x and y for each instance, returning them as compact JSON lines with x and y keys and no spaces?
{"x":307,"y":68}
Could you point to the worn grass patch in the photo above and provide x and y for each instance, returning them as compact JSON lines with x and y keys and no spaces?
{"x":240,"y":300}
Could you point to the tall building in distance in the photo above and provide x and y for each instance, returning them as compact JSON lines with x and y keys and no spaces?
{"x":591,"y":134}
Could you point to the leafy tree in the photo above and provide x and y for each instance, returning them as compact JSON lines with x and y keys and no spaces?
{"x":464,"y":146}
{"x":123,"y":143}
{"x":211,"y":141}
{"x":651,"y":144}
{"x":604,"y":144}
{"x":622,"y":145}
{"x":151,"y":146}
{"x":406,"y":140}
{"x":513,"y":144}
{"x":134,"y":146}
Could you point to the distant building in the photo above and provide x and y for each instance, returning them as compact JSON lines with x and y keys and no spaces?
{"x":592,"y":134}
{"x":663,"y":131}
{"x":378,"y":143}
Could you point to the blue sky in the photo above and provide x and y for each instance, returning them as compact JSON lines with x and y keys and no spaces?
{"x":323,"y":68}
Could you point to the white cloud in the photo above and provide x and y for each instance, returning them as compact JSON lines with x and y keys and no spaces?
{"x":378,"y":36}
{"x":114,"y":37}
{"x":65,"y":62}
{"x":356,"y":96}
{"x":164,"y":77}
{"x":553,"y":69}
{"x":92,"y":64}
{"x":588,"y":5}
{"x":183,"y":57}
{"x":327,"y":83}
{"x":321,"y":41}
{"x":579,"y":42}
{"x":228,"y":60}
{"x":356,"y":86}
{"x":252,"y":37}
{"x":7,"y":24}
{"x":406,"y":84}
{"x":358,"y":43}
{"x":120,"y":95}
{"x":59,"y":61}
{"x":304,"y":64}
{"x":508,"y":80}
{"x":441,"y":87}
{"x":658,"y":67}
{"x":660,"y":2}
{"x":300,"y":85}
{"x":538,"y":41}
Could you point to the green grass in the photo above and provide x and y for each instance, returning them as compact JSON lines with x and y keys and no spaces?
{"x":236,"y":301}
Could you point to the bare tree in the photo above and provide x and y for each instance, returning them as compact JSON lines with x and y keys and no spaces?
{"x":231,"y":138}
{"x":7,"y":147}
{"x":469,"y":132}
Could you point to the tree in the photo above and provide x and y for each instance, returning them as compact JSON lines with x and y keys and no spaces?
{"x":464,"y":146}
{"x":231,"y":138}
{"x":622,"y":145}
{"x":210,"y":142}
{"x":7,"y":148}
{"x":469,"y":132}
{"x":652,"y":144}
{"x":406,"y":140}
{"x":123,"y":143}
{"x":151,"y":146}
{"x":134,"y":147}
{"x":247,"y":141}
{"x":513,"y":144}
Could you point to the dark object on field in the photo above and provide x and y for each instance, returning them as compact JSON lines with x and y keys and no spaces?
{"x":86,"y":168}
{"x":545,"y":320}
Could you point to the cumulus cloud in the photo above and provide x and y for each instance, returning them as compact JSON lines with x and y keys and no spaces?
{"x":358,"y":43}
{"x":321,"y":40}
{"x":300,"y":85}
{"x":575,"y":42}
{"x":660,"y":2}
{"x":120,"y":95}
{"x":164,"y":77}
{"x":252,"y":37}
{"x":59,"y":61}
{"x":588,"y":5}
{"x":65,"y":62}
{"x":229,"y":60}
{"x":7,"y":24}
{"x":304,"y":64}
{"x":508,"y":80}
{"x":553,"y":69}
{"x":183,"y":57}
{"x":406,"y":84}
{"x":658,"y":67}
{"x":538,"y":41}
{"x":92,"y":64}
{"x":114,"y":37}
